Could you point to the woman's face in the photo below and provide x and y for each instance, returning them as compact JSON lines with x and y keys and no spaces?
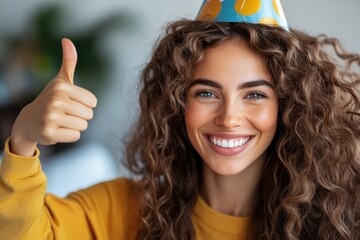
{"x":232,"y":108}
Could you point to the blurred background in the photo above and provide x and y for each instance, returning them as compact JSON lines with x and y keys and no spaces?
{"x":114,"y":40}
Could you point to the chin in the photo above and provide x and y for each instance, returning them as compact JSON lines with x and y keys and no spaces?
{"x":227,"y":170}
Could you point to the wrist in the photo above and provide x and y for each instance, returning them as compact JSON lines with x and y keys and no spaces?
{"x":21,"y":146}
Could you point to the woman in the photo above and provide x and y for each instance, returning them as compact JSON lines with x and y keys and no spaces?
{"x":310,"y":183}
{"x":246,"y":131}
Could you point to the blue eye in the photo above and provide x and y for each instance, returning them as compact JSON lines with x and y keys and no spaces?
{"x":256,"y":96}
{"x":205,"y":94}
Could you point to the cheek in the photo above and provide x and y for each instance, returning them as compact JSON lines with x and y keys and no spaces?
{"x":192,"y":116}
{"x":266,"y":118}
{"x":196,"y":116}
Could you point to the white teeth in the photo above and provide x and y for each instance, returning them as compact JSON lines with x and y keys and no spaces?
{"x":231,"y":143}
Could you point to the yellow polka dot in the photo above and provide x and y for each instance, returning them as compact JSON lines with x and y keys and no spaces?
{"x":247,"y":7}
{"x":268,"y":21}
{"x":210,"y":10}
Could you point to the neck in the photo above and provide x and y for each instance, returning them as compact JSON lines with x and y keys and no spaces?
{"x":236,"y":195}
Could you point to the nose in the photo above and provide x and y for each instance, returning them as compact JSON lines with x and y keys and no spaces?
{"x":230,"y":115}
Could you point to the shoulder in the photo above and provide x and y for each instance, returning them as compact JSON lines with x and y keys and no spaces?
{"x":113,"y":202}
{"x":118,"y":186}
{"x":115,"y":195}
{"x":108,"y":209}
{"x":117,"y":189}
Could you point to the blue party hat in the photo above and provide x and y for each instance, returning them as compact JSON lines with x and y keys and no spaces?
{"x":268,"y":12}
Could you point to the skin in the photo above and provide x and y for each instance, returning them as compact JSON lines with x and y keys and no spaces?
{"x":231,"y":97}
{"x":58,"y":114}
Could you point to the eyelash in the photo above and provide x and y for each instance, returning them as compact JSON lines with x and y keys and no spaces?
{"x":260,"y":95}
{"x":201,"y":93}
{"x":255,"y":95}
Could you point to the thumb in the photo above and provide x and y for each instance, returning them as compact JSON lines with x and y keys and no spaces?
{"x":69,"y":60}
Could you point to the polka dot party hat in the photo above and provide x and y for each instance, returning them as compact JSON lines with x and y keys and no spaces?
{"x":251,"y":11}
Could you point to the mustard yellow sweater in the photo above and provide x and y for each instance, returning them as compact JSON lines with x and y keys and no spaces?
{"x":103,"y":211}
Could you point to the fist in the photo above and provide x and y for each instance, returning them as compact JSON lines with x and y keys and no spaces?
{"x":59,"y":113}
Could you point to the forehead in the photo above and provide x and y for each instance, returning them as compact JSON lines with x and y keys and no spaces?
{"x":232,"y":59}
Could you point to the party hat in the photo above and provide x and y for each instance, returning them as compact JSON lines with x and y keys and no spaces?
{"x":268,"y":12}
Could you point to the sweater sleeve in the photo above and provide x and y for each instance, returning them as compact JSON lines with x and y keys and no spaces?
{"x":100,"y":212}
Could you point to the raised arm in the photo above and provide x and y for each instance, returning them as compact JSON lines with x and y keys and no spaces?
{"x":58,"y":114}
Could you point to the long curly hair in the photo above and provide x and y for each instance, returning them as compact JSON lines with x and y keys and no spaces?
{"x":310,"y":188}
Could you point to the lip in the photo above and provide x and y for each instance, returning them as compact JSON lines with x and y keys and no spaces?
{"x":228,"y":151}
{"x":228,"y":135}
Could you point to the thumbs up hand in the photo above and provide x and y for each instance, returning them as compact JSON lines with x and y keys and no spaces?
{"x":58,"y":114}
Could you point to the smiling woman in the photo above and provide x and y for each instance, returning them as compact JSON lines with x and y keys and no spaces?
{"x":246,"y":131}
{"x":271,"y":122}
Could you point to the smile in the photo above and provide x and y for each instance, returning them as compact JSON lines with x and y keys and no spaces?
{"x":228,"y":143}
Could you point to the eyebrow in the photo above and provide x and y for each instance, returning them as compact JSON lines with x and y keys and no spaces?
{"x":211,"y":83}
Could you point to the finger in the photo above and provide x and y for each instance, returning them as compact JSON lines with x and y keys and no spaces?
{"x":69,"y":60}
{"x":65,"y":135}
{"x":83,"y":96}
{"x":73,"y":123}
{"x":76,"y":109}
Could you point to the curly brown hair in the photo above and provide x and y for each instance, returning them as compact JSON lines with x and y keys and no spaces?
{"x":311,"y":182}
